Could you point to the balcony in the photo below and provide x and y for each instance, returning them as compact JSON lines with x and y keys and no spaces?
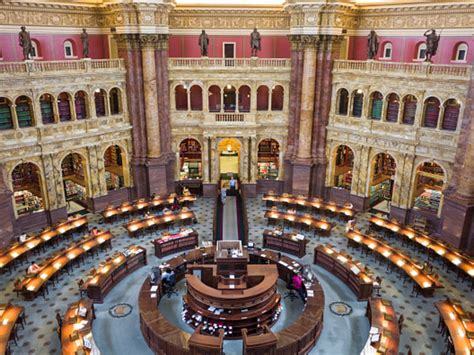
{"x":229,"y":64}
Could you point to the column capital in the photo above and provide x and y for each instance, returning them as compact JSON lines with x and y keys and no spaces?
{"x":153,"y":41}
{"x":300,"y":42}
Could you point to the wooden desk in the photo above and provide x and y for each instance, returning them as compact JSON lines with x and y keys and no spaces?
{"x":287,"y":242}
{"x":264,"y":343}
{"x":427,"y":283}
{"x":345,"y":212}
{"x":352,"y":272}
{"x":16,"y":250}
{"x":155,"y":222}
{"x":10,"y":315}
{"x":112,"y":271}
{"x":31,"y":285}
{"x":459,"y":324}
{"x":307,"y":221}
{"x":77,"y":328}
{"x":168,"y":244}
{"x":382,"y":316}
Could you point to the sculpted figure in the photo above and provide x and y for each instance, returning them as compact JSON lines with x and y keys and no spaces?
{"x":432,"y":41}
{"x":255,"y":42}
{"x":204,"y":43}
{"x":25,"y":42}
{"x":85,"y":43}
{"x":372,"y":45}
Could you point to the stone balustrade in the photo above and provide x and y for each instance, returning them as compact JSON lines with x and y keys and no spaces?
{"x":228,"y":64}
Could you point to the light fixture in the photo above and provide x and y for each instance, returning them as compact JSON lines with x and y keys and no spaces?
{"x":229,"y":86}
{"x":359,"y":91}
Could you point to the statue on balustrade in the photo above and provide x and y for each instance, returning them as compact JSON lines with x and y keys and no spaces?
{"x":85,"y":43}
{"x":255,"y":40}
{"x":432,"y":40}
{"x":204,"y":43}
{"x":372,"y":45}
{"x":25,"y":42}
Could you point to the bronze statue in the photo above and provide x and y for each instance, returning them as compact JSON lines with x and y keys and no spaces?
{"x":372,"y":45}
{"x":204,"y":43}
{"x":85,"y":43}
{"x":432,"y":41}
{"x":255,"y":42}
{"x":25,"y":42}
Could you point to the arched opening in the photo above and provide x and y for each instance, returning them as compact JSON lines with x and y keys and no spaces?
{"x":421,"y":51}
{"x":196,"y":98}
{"x":64,"y":107}
{"x":357,"y":103}
{"x":229,"y":98}
{"x":461,"y":52}
{"x":277,"y":98}
{"x":451,"y":115}
{"x":343,"y":102}
{"x":387,"y":50}
{"x":268,"y":159}
{"x":35,"y":49}
{"x":214,"y":98}
{"x":114,"y":173}
{"x":431,"y":112}
{"x":68,"y":49}
{"x":80,"y":102}
{"x":27,"y":189}
{"x":393,"y":105}
{"x":244,"y":98}
{"x":343,"y":166}
{"x":6,"y":117}
{"x":190,"y":159}
{"x":99,"y":99}
{"x":229,"y":154}
{"x":115,"y":101}
{"x":262,"y":98}
{"x":429,"y":183}
{"x":74,"y":181}
{"x":181,"y":98}
{"x":382,"y":181}
{"x":24,"y":111}
{"x":376,"y":99}
{"x":46,"y":106}
{"x":409,"y":109}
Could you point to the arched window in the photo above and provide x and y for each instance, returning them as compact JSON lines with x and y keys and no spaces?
{"x":277,"y":98}
{"x":429,"y":183}
{"x":268,"y":159}
{"x":431,"y":112}
{"x":46,"y":106}
{"x":27,"y":189}
{"x":461,"y":52}
{"x":387,"y":51}
{"x":357,"y":103}
{"x":382,"y":181}
{"x":6,"y":117}
{"x":376,"y":105}
{"x":214,"y":98}
{"x":80,"y":103}
{"x":196,"y":98}
{"x":409,"y":109}
{"x":262,"y":98}
{"x":190,"y":156}
{"x":451,"y":115}
{"x":114,"y":169}
{"x":181,"y":98}
{"x":343,"y":165}
{"x":24,"y":112}
{"x":99,"y":99}
{"x":68,"y":49}
{"x":229,"y":98}
{"x":35,"y":49}
{"x":343,"y":102}
{"x":244,"y":98}
{"x":64,"y":107}
{"x":115,"y":101}
{"x":421,"y":51}
{"x":393,"y":104}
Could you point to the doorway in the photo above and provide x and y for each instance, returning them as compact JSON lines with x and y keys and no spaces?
{"x":381,"y":182}
{"x":229,"y":158}
{"x":229,"y":54}
{"x":74,"y":182}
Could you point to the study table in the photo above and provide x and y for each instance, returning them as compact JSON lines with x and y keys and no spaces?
{"x":14,"y":251}
{"x":426,"y":282}
{"x":32,"y":284}
{"x":346,"y":211}
{"x":291,"y":243}
{"x":305,"y":221}
{"x":186,"y":238}
{"x":352,"y":272}
{"x":136,"y":227}
{"x":10,"y":315}
{"x":460,"y":325}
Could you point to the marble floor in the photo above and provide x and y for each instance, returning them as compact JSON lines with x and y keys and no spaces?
{"x":341,"y":335}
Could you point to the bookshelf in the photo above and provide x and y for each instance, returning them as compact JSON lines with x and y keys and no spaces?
{"x":168,"y":244}
{"x":6,"y":119}
{"x":46,"y":107}
{"x":343,"y":169}
{"x":291,"y":243}
{"x":190,"y":158}
{"x":409,"y":110}
{"x":431,"y":113}
{"x":377,"y":103}
{"x":80,"y":104}
{"x":357,"y":105}
{"x":267,"y":164}
{"x":64,"y":108}
{"x":429,"y":186}
{"x":74,"y":191}
{"x":451,"y":115}
{"x":23,"y":112}
{"x":392,"y":110}
{"x":99,"y":104}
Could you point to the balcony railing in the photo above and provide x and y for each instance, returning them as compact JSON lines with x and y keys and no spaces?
{"x":229,"y":117}
{"x":226,"y":63}
{"x":404,"y":69}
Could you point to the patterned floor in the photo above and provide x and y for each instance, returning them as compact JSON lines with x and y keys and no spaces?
{"x":421,"y":318}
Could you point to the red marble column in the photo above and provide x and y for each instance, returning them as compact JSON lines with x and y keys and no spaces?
{"x":7,"y":214}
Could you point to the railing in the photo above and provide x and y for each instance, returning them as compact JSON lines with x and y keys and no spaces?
{"x":229,"y":62}
{"x":418,"y":69}
{"x":82,"y":66}
{"x":229,"y":117}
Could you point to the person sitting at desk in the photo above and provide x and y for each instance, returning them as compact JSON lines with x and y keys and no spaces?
{"x":166,"y":276}
{"x":33,"y":268}
{"x":175,"y":206}
{"x":166,"y":210}
{"x":95,"y":232}
{"x":297,"y":283}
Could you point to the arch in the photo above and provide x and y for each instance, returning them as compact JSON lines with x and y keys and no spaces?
{"x":190,"y":159}
{"x":420,"y":51}
{"x":268,"y":159}
{"x":387,"y":50}
{"x":343,"y":166}
{"x":452,"y":107}
{"x":393,"y":106}
{"x":64,"y":107}
{"x":214,"y":93}
{"x":230,"y":98}
{"x":229,"y":150}
{"x":115,"y":101}
{"x":6,"y":117}
{"x":196,"y":98}
{"x":262,"y":98}
{"x":181,"y":97}
{"x":69,"y":48}
{"x":382,"y":178}
{"x":80,"y":103}
{"x":27,"y":188}
{"x":114,"y":167}
{"x":376,"y":103}
{"x":357,"y":103}
{"x":429,"y":183}
{"x":46,"y":108}
{"x":460,"y":52}
{"x":342,"y":102}
{"x":24,"y":111}
{"x":277,"y":98}
{"x":75,"y":179}
{"x":244,"y":98}
{"x":410,"y":104}
{"x":100,"y":104}
{"x":431,"y":112}
{"x":35,"y":49}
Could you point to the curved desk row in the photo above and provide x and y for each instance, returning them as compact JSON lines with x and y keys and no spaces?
{"x":167,"y":244}
{"x":154,"y":222}
{"x":286,"y":242}
{"x":305,"y":221}
{"x":10,"y":316}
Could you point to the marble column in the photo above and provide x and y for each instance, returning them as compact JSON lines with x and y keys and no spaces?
{"x":7,"y":214}
{"x":210,"y":188}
